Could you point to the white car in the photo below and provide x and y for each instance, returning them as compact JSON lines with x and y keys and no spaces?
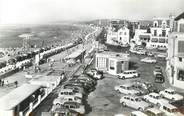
{"x":62,"y":100}
{"x":127,"y":89}
{"x":69,"y":92}
{"x":148,"y":60}
{"x":171,"y":94}
{"x":141,"y":52}
{"x":170,"y":110}
{"x":155,"y":99}
{"x":128,"y":74}
{"x":134,"y":102}
{"x":95,"y":74}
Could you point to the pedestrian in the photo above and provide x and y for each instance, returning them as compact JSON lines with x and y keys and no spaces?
{"x":2,"y":83}
{"x":16,"y":83}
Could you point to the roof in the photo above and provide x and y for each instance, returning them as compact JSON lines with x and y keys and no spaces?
{"x":118,"y":56}
{"x":10,"y":100}
{"x":43,"y":80}
{"x":156,"y":111}
{"x":181,"y":16}
{"x":75,"y":54}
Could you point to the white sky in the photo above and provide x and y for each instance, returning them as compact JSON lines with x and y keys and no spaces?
{"x":41,"y":11}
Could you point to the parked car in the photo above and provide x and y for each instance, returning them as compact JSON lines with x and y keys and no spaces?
{"x":145,"y":87}
{"x":62,"y":100}
{"x":134,"y":102}
{"x":155,"y":98}
{"x":150,"y":54}
{"x":171,"y":94}
{"x":127,"y":89}
{"x":141,"y":52}
{"x":128,"y":74}
{"x":69,"y":92}
{"x":149,"y":60}
{"x":170,"y":110}
{"x":159,"y":78}
{"x":95,"y":74}
{"x":75,"y":89}
{"x":157,"y":70}
{"x":75,"y":106}
{"x":154,"y":112}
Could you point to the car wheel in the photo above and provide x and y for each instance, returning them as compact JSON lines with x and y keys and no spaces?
{"x":158,"y":104}
{"x":140,"y":109}
{"x":57,"y":104}
{"x":123,"y":77}
{"x":162,"y":95}
{"x":124,"y":104}
{"x":134,"y":76}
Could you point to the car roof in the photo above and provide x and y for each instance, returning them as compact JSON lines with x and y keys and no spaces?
{"x":154,"y":94}
{"x":66,"y":90}
{"x":130,"y":71}
{"x":169,"y":89}
{"x":155,"y":110}
{"x":139,"y":113}
{"x":127,"y":85}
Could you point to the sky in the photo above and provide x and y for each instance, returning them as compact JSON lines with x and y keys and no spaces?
{"x":43,"y":11}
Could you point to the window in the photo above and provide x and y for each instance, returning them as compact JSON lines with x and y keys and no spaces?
{"x":162,"y":40}
{"x":180,"y":46}
{"x":120,"y":33}
{"x":180,"y":59}
{"x":163,"y":33}
{"x":154,"y":40}
{"x":181,"y":75}
{"x":155,"y":32}
{"x":112,"y":65}
{"x":181,"y":28}
{"x":120,"y":38}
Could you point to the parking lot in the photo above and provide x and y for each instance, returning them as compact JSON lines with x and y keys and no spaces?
{"x":105,"y":101}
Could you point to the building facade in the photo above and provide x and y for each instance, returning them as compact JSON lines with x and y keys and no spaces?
{"x":175,"y":59}
{"x":112,"y":63}
{"x":157,"y":36}
{"x":118,"y":34}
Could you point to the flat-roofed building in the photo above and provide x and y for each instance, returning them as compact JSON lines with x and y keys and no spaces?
{"x":112,"y":63}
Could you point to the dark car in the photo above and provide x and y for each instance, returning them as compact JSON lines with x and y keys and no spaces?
{"x":159,"y":78}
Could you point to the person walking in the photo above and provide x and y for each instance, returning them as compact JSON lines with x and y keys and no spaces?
{"x":16,"y":84}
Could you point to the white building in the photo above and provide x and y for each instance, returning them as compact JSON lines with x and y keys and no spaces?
{"x":112,"y":63}
{"x":158,"y":35}
{"x":118,"y":36}
{"x":175,"y":59}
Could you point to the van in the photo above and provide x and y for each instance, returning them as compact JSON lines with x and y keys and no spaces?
{"x":128,"y":74}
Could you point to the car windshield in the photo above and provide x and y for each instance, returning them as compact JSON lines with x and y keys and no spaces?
{"x":137,"y":99}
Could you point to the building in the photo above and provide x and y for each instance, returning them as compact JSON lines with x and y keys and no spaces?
{"x":175,"y":59}
{"x":156,"y":36}
{"x":112,"y":63}
{"x":159,"y":33}
{"x":118,"y":34}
